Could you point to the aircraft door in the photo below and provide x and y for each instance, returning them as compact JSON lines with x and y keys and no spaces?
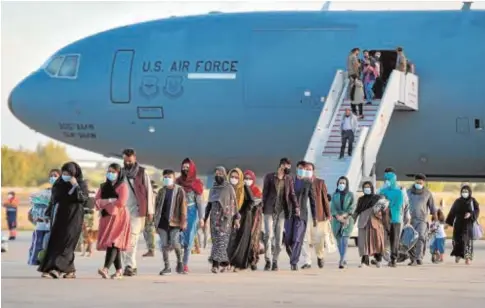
{"x":121,"y":76}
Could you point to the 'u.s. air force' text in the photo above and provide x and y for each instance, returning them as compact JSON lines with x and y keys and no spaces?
{"x":200,"y":66}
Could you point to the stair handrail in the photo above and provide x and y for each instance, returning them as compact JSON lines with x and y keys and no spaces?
{"x":324,"y":124}
{"x":354,"y":171}
{"x":381,"y":121}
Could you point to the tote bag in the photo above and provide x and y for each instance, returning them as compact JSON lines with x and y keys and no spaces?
{"x":477,"y":229}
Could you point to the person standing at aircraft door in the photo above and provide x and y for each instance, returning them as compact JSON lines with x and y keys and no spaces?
{"x":279,"y":200}
{"x":149,"y":230}
{"x":353,"y":69}
{"x":194,"y":190}
{"x":421,"y":205}
{"x":348,"y":127}
{"x":401,"y":61}
{"x":370,"y":75}
{"x":320,"y":236}
{"x":140,"y":205}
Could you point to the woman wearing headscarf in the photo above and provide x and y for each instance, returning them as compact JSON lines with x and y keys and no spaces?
{"x":222,"y":209}
{"x":342,"y":208}
{"x":71,"y":194}
{"x":370,"y":210}
{"x":240,"y":251}
{"x":463,"y":214}
{"x":114,"y":224}
{"x":194,"y":190}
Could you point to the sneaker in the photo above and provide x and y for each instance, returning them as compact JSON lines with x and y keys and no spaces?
{"x":166,"y":271}
{"x":70,"y":275}
{"x":306,"y":266}
{"x":341,"y":265}
{"x":294,"y":267}
{"x":186,"y":269}
{"x":149,"y":253}
{"x":320,"y":263}
{"x":180,"y":268}
{"x":129,"y":271}
{"x":275,"y":266}
{"x":54,"y":274}
{"x":267,"y":266}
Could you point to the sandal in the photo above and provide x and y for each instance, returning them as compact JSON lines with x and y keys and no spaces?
{"x":54,"y":274}
{"x":70,"y":275}
{"x":103,"y":273}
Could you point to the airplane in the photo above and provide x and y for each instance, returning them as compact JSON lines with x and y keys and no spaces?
{"x":245,"y":89}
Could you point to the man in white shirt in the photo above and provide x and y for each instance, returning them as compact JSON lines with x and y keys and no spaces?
{"x":348,"y":128}
{"x":140,"y":204}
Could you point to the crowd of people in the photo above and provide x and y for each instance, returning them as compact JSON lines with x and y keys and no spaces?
{"x":291,"y":211}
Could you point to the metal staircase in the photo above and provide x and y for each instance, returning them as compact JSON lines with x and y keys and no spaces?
{"x":401,"y":93}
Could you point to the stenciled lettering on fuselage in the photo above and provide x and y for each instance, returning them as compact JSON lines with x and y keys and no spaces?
{"x":185,"y":66}
{"x":78,"y":130}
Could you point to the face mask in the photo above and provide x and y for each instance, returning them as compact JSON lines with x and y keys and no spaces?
{"x":219,"y":179}
{"x":112,"y":176}
{"x":465,"y":195}
{"x":66,"y":178}
{"x":234,"y":181}
{"x":287,"y":170}
{"x":248,"y":182}
{"x":341,"y":187}
{"x":52,"y":180}
{"x":167,"y":181}
{"x":387,"y":183}
{"x":300,"y":172}
{"x":367,"y":190}
{"x":418,"y":186}
{"x":309,"y":174}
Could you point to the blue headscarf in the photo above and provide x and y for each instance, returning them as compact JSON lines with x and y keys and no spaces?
{"x":393,"y":193}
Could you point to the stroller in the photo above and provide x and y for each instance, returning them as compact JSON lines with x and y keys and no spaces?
{"x":409,"y":238}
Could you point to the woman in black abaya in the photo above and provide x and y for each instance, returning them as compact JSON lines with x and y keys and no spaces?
{"x":70,"y":194}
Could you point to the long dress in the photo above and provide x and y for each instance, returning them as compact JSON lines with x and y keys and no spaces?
{"x":463,"y":228}
{"x":371,"y":228}
{"x":67,"y":227}
{"x":220,"y":234}
{"x":241,"y":248}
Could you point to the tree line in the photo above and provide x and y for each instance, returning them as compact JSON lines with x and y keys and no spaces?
{"x":23,"y":168}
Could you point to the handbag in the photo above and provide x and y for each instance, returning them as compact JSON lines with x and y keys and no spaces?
{"x":477,"y":228}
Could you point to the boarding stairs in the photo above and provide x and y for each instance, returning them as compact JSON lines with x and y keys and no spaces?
{"x":401,"y":93}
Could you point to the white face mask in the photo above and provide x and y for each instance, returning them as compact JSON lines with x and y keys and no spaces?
{"x":248,"y":182}
{"x":234,"y":181}
{"x":465,"y":195}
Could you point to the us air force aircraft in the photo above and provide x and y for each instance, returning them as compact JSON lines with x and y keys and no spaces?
{"x":245,"y":89}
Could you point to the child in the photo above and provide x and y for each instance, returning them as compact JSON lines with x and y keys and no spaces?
{"x":11,"y":205}
{"x":38,"y":216}
{"x":90,"y":226}
{"x":437,"y":242}
{"x":170,"y":220}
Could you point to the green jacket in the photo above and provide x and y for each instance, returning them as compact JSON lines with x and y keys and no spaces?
{"x":338,"y":229}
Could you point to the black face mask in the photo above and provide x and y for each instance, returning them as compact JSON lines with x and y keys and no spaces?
{"x":185,"y":172}
{"x":287,"y":170}
{"x":219,"y":179}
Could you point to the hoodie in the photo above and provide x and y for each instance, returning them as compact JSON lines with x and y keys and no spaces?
{"x":393,"y":193}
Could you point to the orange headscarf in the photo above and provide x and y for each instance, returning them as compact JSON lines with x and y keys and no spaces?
{"x":254,"y":188}
{"x":239,"y":188}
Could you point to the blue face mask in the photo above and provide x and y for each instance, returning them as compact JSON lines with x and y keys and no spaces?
{"x":308,"y":173}
{"x":66,"y":178}
{"x":167,"y":182}
{"x":341,"y":187}
{"x":52,"y":180}
{"x":300,"y":172}
{"x":367,"y":190}
{"x":387,"y":183}
{"x":111,"y":176}
{"x":418,"y":186}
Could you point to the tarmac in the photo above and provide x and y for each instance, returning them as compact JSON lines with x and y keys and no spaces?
{"x":430,"y":285}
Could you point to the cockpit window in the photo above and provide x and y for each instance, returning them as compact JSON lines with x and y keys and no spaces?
{"x":69,"y":67}
{"x":63,"y":66}
{"x":54,"y":65}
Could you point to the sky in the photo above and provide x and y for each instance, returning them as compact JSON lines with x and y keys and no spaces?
{"x":32,"y":31}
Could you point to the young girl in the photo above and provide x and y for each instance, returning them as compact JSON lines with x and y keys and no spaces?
{"x":437,"y":242}
{"x":11,"y":205}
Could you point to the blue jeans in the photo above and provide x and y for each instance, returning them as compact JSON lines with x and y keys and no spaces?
{"x":369,"y":94}
{"x":342,"y":244}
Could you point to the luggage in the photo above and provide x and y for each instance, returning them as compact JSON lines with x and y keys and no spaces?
{"x":409,"y":238}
